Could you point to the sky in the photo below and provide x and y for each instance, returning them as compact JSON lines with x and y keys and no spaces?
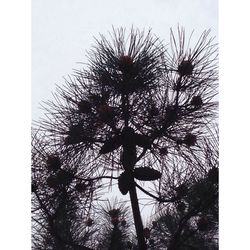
{"x":15,"y":64}
{"x":63,"y":30}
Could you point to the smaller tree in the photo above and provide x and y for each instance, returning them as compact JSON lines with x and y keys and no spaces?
{"x":115,"y":225}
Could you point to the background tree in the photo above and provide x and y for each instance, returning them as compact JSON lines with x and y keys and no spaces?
{"x":137,"y":112}
{"x":115,"y":226}
{"x":191,"y":221}
{"x":60,"y":202}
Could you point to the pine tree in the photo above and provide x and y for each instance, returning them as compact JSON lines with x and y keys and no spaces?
{"x":191,"y":221}
{"x":138,"y":112}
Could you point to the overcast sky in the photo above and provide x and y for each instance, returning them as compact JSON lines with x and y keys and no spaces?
{"x":62,"y":31}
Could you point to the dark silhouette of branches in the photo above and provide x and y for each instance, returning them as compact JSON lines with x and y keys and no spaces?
{"x":191,"y":221}
{"x":137,"y":113}
{"x":115,"y":226}
{"x":60,"y":202}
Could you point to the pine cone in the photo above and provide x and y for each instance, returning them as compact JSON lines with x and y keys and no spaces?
{"x":146,"y":174}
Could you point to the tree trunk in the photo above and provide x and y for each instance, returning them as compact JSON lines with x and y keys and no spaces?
{"x":137,"y":218}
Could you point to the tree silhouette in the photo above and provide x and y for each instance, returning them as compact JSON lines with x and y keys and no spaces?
{"x":115,"y":226}
{"x":191,"y":222}
{"x":60,"y":202}
{"x":135,"y":113}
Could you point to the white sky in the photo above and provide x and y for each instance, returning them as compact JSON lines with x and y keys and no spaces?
{"x":15,"y":67}
{"x":62,"y":31}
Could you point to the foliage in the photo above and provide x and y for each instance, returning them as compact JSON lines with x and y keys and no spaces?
{"x":137,"y":113}
{"x":191,"y":221}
